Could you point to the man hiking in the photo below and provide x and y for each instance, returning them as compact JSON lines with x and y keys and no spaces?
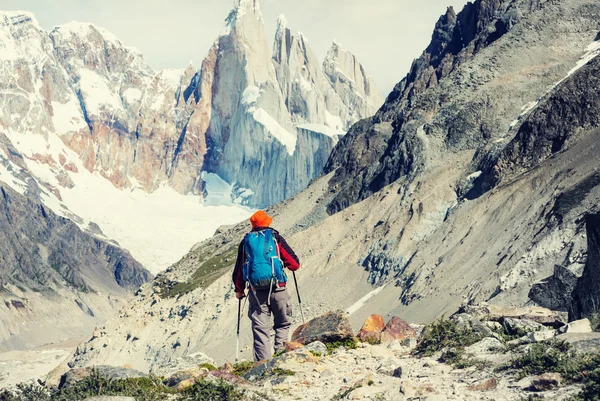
{"x":262,"y":256}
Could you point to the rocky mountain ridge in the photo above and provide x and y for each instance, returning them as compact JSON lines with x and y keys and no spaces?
{"x":57,"y":280}
{"x":93,"y":121}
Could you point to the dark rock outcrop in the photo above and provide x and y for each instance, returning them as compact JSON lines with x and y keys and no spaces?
{"x":39,"y":249}
{"x":367,"y":159}
{"x":555,"y":292}
{"x":586,"y":296}
{"x":331,"y":327}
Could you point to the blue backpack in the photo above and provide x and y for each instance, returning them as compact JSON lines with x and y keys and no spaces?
{"x":263,"y":267}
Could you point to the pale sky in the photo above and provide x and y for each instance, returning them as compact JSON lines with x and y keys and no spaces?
{"x":385,"y":35}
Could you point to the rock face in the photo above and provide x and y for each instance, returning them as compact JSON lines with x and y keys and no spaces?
{"x":139,"y":128}
{"x":586,"y":296}
{"x":57,"y":281}
{"x":371,"y":329}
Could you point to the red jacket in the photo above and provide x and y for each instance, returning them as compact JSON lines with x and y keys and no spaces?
{"x":286,"y":253}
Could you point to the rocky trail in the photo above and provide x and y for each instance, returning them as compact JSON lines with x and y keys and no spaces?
{"x":483,"y":352}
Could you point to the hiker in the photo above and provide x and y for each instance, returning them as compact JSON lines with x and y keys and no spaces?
{"x":262,"y":256}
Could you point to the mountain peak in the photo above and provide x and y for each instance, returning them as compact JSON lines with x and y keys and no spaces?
{"x":8,"y":18}
{"x":242,"y":10}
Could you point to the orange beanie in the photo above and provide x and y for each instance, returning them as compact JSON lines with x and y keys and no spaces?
{"x":260,"y":219}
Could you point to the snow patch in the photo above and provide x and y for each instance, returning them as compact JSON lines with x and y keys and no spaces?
{"x":333,"y":121}
{"x":362,"y":302}
{"x":96,"y":93}
{"x":132,"y":95}
{"x":67,"y":117}
{"x":251,"y":95}
{"x":591,"y":52}
{"x":322,"y":129}
{"x":172,"y":77}
{"x":9,"y":179}
{"x":276,"y":130}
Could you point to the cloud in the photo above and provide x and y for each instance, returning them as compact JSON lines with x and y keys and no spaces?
{"x":386,"y":35}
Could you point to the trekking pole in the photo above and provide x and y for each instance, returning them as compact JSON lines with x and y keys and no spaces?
{"x":299,"y":300}
{"x":237,"y":348}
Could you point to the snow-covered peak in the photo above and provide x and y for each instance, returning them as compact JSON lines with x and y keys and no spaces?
{"x":282,"y":23}
{"x":8,"y":18}
{"x":242,"y":10}
{"x":84,"y":30}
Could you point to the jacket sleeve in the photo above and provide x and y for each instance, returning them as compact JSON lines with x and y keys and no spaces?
{"x":287,"y":254}
{"x":238,"y":276}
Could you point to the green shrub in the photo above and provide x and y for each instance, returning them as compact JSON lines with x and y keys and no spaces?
{"x":595,"y":321}
{"x":204,"y":390}
{"x":444,"y":334}
{"x":556,"y":357}
{"x":208,"y":366}
{"x":591,"y":389}
{"x":348,"y":344}
{"x":241,"y":368}
{"x":283,"y":372}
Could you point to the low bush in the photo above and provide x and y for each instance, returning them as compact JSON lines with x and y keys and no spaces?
{"x":445,"y":334}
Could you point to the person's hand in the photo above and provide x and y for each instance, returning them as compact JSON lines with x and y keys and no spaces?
{"x":240,"y":295}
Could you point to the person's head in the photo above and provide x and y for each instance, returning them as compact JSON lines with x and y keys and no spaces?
{"x":260,"y":219}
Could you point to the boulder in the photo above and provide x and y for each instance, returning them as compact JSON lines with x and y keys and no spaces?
{"x":390,"y":367}
{"x":484,"y":385}
{"x":397,"y":329}
{"x":583,"y":343}
{"x":520,"y":326}
{"x":316,"y":347}
{"x":537,"y":314}
{"x":185,"y":378}
{"x":168,"y":368}
{"x":546,"y":382}
{"x":292,"y":346}
{"x":371,"y":330}
{"x":488,"y":345}
{"x":539,"y":336}
{"x":331,"y":327}
{"x":74,"y":376}
{"x":578,"y":326}
{"x":52,"y":379}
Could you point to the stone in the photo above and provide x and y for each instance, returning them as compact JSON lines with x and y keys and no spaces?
{"x":227,"y":368}
{"x":168,"y":368}
{"x":486,"y":346}
{"x":546,"y":382}
{"x":371,"y":330}
{"x":316,"y":347}
{"x":536,"y":314}
{"x":74,"y":376}
{"x":411,"y":390}
{"x":330,"y":327}
{"x":583,"y":343}
{"x":539,"y":336}
{"x":52,"y":379}
{"x":292,"y":346}
{"x":390,"y":367}
{"x":397,"y":329}
{"x":187,"y":375}
{"x":579,"y":326}
{"x":484,"y":385}
{"x":520,"y":326}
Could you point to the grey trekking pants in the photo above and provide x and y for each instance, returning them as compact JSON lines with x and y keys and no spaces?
{"x":260,"y":313}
